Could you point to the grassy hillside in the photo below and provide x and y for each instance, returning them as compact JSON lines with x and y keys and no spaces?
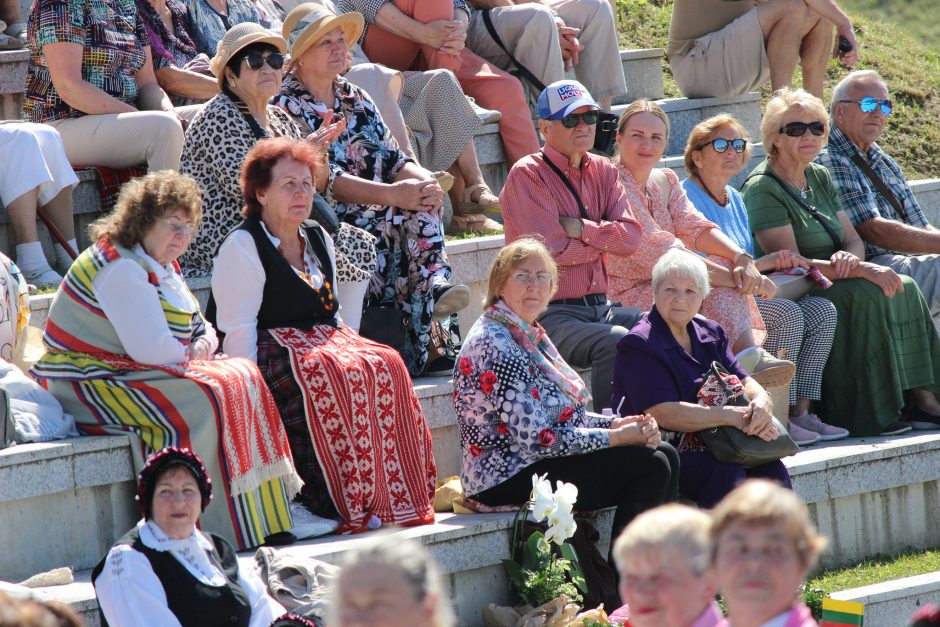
{"x":920,"y":18}
{"x":911,"y":68}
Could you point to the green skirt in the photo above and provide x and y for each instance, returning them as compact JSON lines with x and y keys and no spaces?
{"x":883,"y":347}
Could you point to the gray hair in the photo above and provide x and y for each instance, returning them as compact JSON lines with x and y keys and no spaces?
{"x":669,"y":527}
{"x":845,"y":86}
{"x":683,"y":263}
{"x":413,"y":561}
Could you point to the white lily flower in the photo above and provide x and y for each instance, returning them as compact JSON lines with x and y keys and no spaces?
{"x":566,"y":495}
{"x":561,"y":530}
{"x":543,"y":545}
{"x":543,"y":501}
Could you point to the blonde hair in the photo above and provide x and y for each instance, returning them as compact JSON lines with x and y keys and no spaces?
{"x":413,"y":561}
{"x":705,"y":131}
{"x":511,"y":257}
{"x":782,"y":101}
{"x":759,"y":502}
{"x":639,"y":106}
{"x":667,"y":527}
{"x":143,"y":201}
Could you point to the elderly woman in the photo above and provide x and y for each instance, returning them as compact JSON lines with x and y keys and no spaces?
{"x":662,"y":363}
{"x":392,"y":581}
{"x":670,"y":221}
{"x":663,"y":558}
{"x":165,"y":571}
{"x":248,"y":70}
{"x":716,"y":151}
{"x":356,"y":429}
{"x":763,"y":545}
{"x":374,"y":184}
{"x":522,"y":409}
{"x":181,"y":70}
{"x":91,"y":77}
{"x":130,"y":352}
{"x":884,"y":345}
{"x":36,"y":173}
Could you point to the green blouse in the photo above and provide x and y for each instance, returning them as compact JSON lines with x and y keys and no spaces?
{"x":769,"y":206}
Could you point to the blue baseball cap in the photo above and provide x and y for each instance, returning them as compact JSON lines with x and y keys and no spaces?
{"x":562,"y":97}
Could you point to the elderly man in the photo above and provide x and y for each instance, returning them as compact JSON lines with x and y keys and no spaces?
{"x":720,"y":48}
{"x":551,"y":37}
{"x":570,"y":199}
{"x":873,"y":190}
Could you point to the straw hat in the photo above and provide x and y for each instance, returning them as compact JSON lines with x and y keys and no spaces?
{"x":238,"y":37}
{"x":308,"y":22}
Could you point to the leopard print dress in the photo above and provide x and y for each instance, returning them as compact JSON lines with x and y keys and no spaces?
{"x":217,"y":141}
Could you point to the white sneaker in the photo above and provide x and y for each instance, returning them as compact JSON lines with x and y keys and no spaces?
{"x":801,"y":436}
{"x":308,"y":524}
{"x":43,"y":277}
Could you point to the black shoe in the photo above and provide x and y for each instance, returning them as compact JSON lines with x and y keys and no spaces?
{"x":896,"y":428}
{"x":449,"y":299}
{"x":440,"y":367}
{"x":281,"y":538}
{"x":921,"y":420}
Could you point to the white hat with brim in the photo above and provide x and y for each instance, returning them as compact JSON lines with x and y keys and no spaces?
{"x":307,"y":23}
{"x":238,"y":37}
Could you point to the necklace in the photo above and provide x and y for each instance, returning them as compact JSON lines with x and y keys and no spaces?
{"x":724,"y":192}
{"x":803,"y":190}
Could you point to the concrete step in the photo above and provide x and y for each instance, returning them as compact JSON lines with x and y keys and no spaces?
{"x":643,"y":72}
{"x":13,"y":65}
{"x":894,"y":602}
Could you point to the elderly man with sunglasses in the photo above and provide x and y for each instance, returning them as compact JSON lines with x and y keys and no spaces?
{"x":570,"y":199}
{"x":874,"y":192}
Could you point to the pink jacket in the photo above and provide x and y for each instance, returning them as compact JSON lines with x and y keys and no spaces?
{"x":799,"y":616}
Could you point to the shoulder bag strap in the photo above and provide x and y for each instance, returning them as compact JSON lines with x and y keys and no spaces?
{"x":665,"y":188}
{"x":883,"y":188}
{"x":564,"y":179}
{"x":813,"y":211}
{"x":523,"y":70}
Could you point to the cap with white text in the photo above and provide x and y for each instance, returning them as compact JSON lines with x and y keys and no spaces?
{"x":562,"y":97}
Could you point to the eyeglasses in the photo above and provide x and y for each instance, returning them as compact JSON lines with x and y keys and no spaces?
{"x":721,"y":145}
{"x":255,"y":60}
{"x":542,"y":279}
{"x":798,"y":129}
{"x":588,"y":117}
{"x":869,"y":103}
{"x":177,"y":228}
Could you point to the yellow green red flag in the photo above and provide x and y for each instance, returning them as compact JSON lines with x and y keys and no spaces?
{"x":836,"y":613}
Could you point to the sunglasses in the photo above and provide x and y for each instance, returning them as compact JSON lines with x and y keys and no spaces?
{"x":588,"y":117}
{"x":869,"y":103}
{"x":255,"y":60}
{"x":721,"y":145}
{"x":798,"y":129}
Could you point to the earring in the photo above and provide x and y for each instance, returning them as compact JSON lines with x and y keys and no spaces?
{"x":233,"y":83}
{"x":300,"y":63}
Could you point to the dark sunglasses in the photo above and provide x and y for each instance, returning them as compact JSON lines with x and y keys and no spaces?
{"x":869,"y":103}
{"x":798,"y":129}
{"x":571,"y":120}
{"x":721,"y":145}
{"x":255,"y":60}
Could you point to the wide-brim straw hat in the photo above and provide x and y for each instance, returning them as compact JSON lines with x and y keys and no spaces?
{"x":307,"y":23}
{"x":238,"y":37}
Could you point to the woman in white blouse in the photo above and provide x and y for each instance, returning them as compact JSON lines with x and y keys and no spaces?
{"x":167,"y":573}
{"x":130,"y":352}
{"x":356,"y":430}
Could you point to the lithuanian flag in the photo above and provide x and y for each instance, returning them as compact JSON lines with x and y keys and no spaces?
{"x":837,"y":613}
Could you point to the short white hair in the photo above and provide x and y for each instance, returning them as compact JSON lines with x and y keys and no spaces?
{"x":685,"y":264}
{"x":672,"y":527}
{"x":845,"y":86}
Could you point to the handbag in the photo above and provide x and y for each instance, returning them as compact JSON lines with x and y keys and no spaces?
{"x":385,"y":325}
{"x":606,"y":132}
{"x":729,"y":444}
{"x":791,"y":286}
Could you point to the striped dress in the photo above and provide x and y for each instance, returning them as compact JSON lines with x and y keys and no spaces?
{"x":219,"y":408}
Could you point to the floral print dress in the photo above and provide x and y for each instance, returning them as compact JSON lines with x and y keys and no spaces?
{"x":409,"y":244}
{"x":677,"y":225}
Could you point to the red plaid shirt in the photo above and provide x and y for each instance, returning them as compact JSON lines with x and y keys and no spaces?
{"x":534,"y":197}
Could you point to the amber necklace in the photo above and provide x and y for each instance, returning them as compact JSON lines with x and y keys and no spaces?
{"x":724,"y":192}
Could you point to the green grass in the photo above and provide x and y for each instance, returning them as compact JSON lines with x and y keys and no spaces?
{"x":920,"y":18}
{"x":911,"y":68}
{"x":876,"y":569}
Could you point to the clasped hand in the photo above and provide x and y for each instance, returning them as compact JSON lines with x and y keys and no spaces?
{"x":418,"y":194}
{"x":635,"y":431}
{"x":757,"y":418}
{"x":448,"y":36}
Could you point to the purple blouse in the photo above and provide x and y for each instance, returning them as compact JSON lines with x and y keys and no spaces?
{"x":651,"y":367}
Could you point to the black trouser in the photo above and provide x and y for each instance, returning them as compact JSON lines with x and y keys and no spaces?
{"x":631,"y":478}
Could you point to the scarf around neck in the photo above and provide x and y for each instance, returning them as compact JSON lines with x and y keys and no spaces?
{"x":535,"y":341}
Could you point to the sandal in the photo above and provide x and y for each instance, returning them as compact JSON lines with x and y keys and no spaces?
{"x":445,"y":180}
{"x":487,"y":203}
{"x":474,"y":224}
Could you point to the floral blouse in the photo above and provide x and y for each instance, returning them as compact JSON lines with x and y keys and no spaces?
{"x":112,"y":37}
{"x":511,"y":415}
{"x":366,"y":148}
{"x":168,"y":49}
{"x":208,"y":25}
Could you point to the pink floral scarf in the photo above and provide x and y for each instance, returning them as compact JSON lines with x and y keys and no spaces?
{"x":535,"y":341}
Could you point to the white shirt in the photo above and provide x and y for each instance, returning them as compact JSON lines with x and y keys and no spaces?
{"x":132,"y":305}
{"x":238,"y":286}
{"x":130,"y":593}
